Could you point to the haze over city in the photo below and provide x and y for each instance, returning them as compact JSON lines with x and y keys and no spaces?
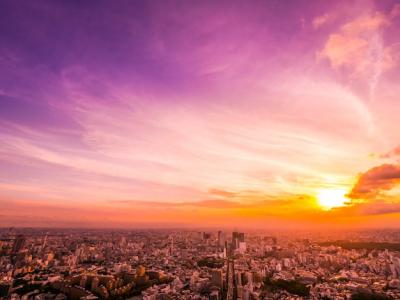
{"x":250,"y":114}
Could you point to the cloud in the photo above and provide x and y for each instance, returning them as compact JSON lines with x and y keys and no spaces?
{"x":369,"y":208}
{"x":375,"y":181}
{"x":342,"y":50}
{"x":322,"y":20}
{"x":221,"y":193}
{"x":358,"y":49}
{"x":376,"y":190}
{"x":210,"y":203}
{"x":378,"y":208}
{"x":393,"y":153}
{"x":247,"y":201}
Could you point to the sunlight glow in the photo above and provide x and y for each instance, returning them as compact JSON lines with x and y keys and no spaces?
{"x":330,"y":198}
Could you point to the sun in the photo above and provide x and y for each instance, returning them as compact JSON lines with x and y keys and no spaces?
{"x":330,"y":198}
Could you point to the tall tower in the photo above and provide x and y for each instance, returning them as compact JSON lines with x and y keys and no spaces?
{"x":44,"y":241}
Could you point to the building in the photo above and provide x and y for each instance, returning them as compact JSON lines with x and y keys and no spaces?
{"x":221,"y":239}
{"x":217,"y":278}
{"x":237,"y":238}
{"x":19,"y":244}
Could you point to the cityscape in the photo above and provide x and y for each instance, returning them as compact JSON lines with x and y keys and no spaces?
{"x":199,"y":149}
{"x":188,"y":264}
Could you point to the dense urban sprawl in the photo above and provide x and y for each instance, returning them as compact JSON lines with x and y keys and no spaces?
{"x":204,"y":264}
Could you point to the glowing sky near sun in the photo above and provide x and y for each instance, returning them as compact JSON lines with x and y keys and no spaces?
{"x":199,"y":113}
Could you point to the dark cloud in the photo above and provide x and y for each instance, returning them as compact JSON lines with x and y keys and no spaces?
{"x":376,"y":180}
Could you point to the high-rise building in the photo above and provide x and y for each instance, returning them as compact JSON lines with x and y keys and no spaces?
{"x":221,"y":239}
{"x":217,"y":278}
{"x":242,"y":247}
{"x":19,"y":244}
{"x":237,"y":238}
{"x":206,"y":236}
{"x":241,"y":237}
{"x":238,"y":278}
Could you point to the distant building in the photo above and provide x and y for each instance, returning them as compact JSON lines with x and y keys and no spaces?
{"x":237,"y":238}
{"x":19,"y":244}
{"x":242,"y":247}
{"x":206,"y":236}
{"x":221,"y":239}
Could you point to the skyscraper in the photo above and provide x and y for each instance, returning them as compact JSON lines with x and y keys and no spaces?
{"x":221,"y":239}
{"x":216,"y":278}
{"x":237,"y":238}
{"x":235,"y":242}
{"x":19,"y":243}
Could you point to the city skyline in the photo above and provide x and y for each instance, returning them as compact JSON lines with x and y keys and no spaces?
{"x":239,"y":114}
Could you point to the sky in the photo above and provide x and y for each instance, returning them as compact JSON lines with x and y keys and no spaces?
{"x":267,"y":114}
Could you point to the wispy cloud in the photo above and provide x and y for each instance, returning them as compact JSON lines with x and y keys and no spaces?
{"x":323,"y":20}
{"x":358,"y":47}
